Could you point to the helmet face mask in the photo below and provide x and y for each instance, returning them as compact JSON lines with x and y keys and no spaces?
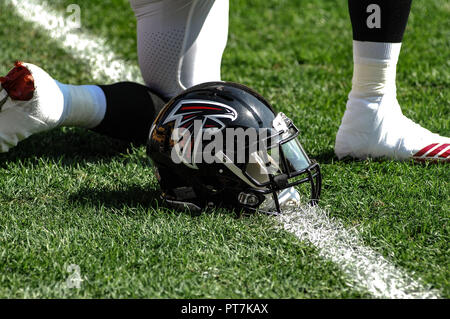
{"x":282,"y":166}
{"x":272,"y":165}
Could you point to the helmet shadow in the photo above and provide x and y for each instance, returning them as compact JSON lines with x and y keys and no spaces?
{"x":126,"y":200}
{"x":120,"y":200}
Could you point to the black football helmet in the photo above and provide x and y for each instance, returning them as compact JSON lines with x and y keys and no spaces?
{"x":253,"y":174}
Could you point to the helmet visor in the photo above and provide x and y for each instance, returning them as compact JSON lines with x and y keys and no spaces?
{"x":281,"y":166}
{"x":287,"y":158}
{"x":295,"y":157}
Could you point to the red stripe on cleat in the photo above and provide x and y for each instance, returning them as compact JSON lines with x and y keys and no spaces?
{"x":445,"y":154}
{"x":425,"y":149}
{"x":437,"y":150}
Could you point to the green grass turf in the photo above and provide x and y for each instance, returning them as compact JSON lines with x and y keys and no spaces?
{"x":73,"y":197}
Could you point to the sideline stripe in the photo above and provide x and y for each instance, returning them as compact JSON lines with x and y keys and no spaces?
{"x":367,"y":269}
{"x":105,"y":65}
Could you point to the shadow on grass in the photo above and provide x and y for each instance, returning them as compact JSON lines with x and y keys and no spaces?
{"x":329,"y":157}
{"x":67,"y":147}
{"x":325,"y":157}
{"x":126,"y":200}
{"x":131,"y":197}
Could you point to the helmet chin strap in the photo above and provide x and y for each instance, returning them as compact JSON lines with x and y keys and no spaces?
{"x":288,"y":197}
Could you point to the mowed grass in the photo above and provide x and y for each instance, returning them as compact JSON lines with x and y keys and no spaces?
{"x":73,"y":197}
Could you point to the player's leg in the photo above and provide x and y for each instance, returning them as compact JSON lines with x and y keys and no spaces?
{"x":180,"y":45}
{"x":373,"y":124}
{"x":31,"y":101}
{"x":180,"y":42}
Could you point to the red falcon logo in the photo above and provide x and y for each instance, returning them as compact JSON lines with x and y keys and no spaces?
{"x":187,"y":115}
{"x":212,"y":114}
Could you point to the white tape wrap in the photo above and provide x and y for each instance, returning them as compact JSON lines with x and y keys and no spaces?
{"x":20,"y":119}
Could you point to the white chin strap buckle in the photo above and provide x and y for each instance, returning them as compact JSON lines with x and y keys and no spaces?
{"x":287,"y":198}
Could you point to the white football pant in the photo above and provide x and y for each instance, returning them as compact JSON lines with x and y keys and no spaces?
{"x":180,"y":42}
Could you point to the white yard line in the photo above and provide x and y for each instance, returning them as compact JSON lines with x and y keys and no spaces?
{"x":366,"y":269}
{"x":105,"y":65}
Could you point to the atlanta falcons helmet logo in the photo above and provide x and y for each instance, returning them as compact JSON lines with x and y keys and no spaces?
{"x":200,"y":116}
{"x":212,"y":114}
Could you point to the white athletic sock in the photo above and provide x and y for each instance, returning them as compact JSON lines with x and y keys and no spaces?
{"x":375,"y":66}
{"x":374,"y":73}
{"x":84,"y":105}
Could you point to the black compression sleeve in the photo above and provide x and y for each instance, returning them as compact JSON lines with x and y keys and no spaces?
{"x":130,"y":111}
{"x":379,"y":20}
